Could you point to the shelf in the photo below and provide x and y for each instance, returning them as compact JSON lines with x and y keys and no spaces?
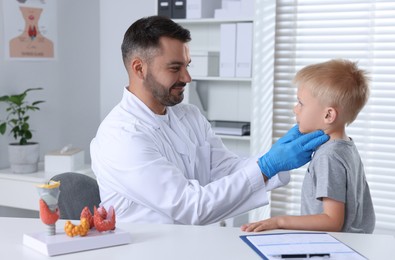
{"x":40,"y":176}
{"x":19,"y":189}
{"x":219,"y":98}
{"x":236,"y":137}
{"x":212,"y":20}
{"x":221,"y":79}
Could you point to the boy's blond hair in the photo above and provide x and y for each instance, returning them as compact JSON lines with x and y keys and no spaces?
{"x":337,"y":83}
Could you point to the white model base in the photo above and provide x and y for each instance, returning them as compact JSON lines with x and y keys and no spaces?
{"x":63,"y":244}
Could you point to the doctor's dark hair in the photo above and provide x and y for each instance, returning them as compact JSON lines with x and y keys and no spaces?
{"x":142,"y":37}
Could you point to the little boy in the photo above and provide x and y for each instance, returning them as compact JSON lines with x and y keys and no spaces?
{"x":335,"y":194}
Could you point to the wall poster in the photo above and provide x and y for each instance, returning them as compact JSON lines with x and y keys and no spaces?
{"x":30,"y":29}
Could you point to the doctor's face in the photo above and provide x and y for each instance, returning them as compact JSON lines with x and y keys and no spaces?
{"x":167,"y":73}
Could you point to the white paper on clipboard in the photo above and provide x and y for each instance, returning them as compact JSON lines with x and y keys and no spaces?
{"x":273,"y":245}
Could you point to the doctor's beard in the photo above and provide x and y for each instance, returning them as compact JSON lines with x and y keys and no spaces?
{"x":166,"y":96}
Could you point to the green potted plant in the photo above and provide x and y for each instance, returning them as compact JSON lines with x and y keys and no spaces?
{"x":23,"y":154}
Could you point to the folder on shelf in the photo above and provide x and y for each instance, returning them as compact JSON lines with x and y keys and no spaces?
{"x":227,"y":57}
{"x":197,"y":9}
{"x":230,"y":127}
{"x":193,"y":96}
{"x":179,"y":10}
{"x":204,"y":64}
{"x":164,"y":8}
{"x":229,"y":10}
{"x":244,"y":50}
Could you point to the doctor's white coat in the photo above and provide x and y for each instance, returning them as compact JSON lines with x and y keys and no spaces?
{"x":172,"y":169}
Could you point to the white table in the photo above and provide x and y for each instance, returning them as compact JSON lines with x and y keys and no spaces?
{"x":18,"y":190}
{"x":156,"y":241}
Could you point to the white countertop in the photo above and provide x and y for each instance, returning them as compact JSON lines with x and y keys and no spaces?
{"x":18,"y":190}
{"x":156,"y":241}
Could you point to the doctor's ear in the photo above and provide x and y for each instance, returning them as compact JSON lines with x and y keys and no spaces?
{"x":137,"y":67}
{"x":331,"y":115}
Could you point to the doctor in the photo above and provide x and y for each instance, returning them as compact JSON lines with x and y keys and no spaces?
{"x":157,"y":160}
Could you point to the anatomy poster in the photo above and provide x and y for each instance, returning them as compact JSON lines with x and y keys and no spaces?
{"x":30,"y":29}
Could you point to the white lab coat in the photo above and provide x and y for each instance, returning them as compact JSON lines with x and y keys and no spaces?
{"x":174,"y":171}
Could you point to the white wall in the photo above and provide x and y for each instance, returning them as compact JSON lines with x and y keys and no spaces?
{"x":79,"y":71}
{"x":55,"y":124}
{"x":86,"y":80}
{"x":114,"y":21}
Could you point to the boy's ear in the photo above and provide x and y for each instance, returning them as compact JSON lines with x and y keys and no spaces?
{"x":137,"y":67}
{"x":331,"y":115}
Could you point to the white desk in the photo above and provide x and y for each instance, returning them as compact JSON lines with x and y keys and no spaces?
{"x":18,"y":190}
{"x":173,"y":242}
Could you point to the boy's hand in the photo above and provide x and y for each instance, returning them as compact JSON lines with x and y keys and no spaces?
{"x":267,"y":224}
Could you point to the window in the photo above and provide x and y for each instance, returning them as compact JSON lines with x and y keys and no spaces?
{"x":312,"y":31}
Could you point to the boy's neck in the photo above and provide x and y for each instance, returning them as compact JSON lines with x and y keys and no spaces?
{"x":337,"y":134}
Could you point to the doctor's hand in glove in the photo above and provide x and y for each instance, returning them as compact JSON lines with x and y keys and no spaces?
{"x":291,"y":151}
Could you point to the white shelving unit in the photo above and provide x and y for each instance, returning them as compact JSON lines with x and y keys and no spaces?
{"x":220,"y":98}
{"x":234,"y":137}
{"x":200,"y":78}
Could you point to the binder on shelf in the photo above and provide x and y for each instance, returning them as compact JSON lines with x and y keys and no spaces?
{"x":197,"y":9}
{"x":244,"y":50}
{"x":164,"y":8}
{"x":227,"y":56}
{"x":204,"y":64}
{"x":179,"y":9}
{"x":230,"y":127}
{"x":198,"y":97}
{"x":229,"y":10}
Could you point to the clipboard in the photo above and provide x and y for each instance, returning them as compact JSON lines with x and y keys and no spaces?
{"x":272,"y":246}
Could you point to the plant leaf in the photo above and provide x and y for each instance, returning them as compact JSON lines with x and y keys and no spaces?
{"x":30,"y":89}
{"x":22,"y":141}
{"x":16,"y":99}
{"x":28,"y":135}
{"x":25,"y":127}
{"x":32,"y":108}
{"x":37,"y":102}
{"x":4,"y":98}
{"x":18,"y":117}
{"x":3,"y":127}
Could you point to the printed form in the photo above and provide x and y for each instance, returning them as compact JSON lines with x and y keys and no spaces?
{"x":300,"y":245}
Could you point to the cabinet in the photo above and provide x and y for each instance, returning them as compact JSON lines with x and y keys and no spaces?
{"x":219,"y":98}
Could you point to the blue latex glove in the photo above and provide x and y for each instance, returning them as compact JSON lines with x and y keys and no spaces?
{"x":291,"y":151}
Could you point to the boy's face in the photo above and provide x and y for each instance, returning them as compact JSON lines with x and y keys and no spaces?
{"x":309,"y":112}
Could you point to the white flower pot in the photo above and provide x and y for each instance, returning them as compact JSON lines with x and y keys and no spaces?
{"x":24,"y":158}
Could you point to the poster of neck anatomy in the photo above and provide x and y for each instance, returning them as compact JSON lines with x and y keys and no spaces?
{"x":30,"y":29}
